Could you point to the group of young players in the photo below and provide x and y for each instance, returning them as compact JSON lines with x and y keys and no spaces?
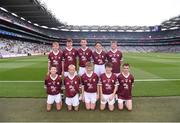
{"x":98,"y":78}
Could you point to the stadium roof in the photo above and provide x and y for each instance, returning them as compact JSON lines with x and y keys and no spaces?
{"x":36,"y":12}
{"x":32,"y":11}
{"x":105,"y":28}
{"x":173,"y":23}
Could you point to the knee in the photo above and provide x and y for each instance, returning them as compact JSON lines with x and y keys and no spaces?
{"x":129,"y":108}
{"x":48,"y":110}
{"x":88,"y":108}
{"x":111,"y":109}
{"x":120,"y":108}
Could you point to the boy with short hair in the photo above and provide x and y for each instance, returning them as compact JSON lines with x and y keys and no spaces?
{"x":108,"y":86}
{"x":53,"y":85}
{"x":124,"y":92}
{"x":90,"y":88}
{"x":72,"y":85}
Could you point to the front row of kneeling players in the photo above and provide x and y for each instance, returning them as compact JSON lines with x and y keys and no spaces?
{"x":107,"y":88}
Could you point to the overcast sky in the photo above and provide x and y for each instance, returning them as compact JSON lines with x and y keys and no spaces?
{"x":114,"y":12}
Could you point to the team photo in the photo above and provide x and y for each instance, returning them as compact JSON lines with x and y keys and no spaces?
{"x":89,"y":61}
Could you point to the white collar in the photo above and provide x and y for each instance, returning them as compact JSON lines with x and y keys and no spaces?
{"x":84,"y":49}
{"x":108,"y":76}
{"x":89,"y":75}
{"x":98,"y":52}
{"x":55,"y":53}
{"x":53,"y":78}
{"x":126,"y":76}
{"x":114,"y":51}
{"x":71,"y":77}
{"x":69,"y":49}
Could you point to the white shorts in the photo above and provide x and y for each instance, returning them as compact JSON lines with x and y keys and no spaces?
{"x":99,"y":69}
{"x":82,"y":70}
{"x":107,"y":100}
{"x":54,"y":98}
{"x":66,"y":74}
{"x":90,"y":97}
{"x":120,"y":101}
{"x":72,"y":101}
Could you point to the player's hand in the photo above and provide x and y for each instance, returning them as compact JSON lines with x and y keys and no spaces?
{"x":111,"y":97}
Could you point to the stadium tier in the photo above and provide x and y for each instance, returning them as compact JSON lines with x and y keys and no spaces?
{"x":14,"y":29}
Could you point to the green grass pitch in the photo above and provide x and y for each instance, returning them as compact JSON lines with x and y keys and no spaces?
{"x":156,"y":91}
{"x":156,"y":74}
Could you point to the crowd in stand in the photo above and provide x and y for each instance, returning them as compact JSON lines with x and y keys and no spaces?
{"x":9,"y":46}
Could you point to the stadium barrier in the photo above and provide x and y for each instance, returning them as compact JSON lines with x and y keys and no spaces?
{"x":13,"y":55}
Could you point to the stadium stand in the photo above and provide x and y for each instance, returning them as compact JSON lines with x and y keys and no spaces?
{"x":31,"y":37}
{"x":13,"y":48}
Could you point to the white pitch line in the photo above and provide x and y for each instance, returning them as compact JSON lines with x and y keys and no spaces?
{"x":152,"y":80}
{"x":20,"y":81}
{"x":41,"y":81}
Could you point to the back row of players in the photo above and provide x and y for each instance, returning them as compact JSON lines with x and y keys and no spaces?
{"x":101,"y":79}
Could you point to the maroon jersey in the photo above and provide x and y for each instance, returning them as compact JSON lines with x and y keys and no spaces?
{"x":72,"y":85}
{"x":53,"y":85}
{"x":90,"y":82}
{"x":99,"y":58}
{"x":125,"y":86}
{"x":69,"y":58}
{"x":115,"y":58}
{"x":56,"y":59}
{"x":84,"y":56}
{"x":108,"y":83}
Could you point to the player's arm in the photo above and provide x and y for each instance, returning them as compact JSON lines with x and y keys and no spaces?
{"x":100,"y":89}
{"x":82,"y":88}
{"x":77,"y":60}
{"x":45,"y":84}
{"x":121,"y":59}
{"x":115,"y":89}
{"x":48,"y":64}
{"x":62,"y":67}
{"x":48,"y":67}
{"x":132,"y":81}
{"x":82,"y":92}
{"x":105,"y":56}
{"x":63,"y":59}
